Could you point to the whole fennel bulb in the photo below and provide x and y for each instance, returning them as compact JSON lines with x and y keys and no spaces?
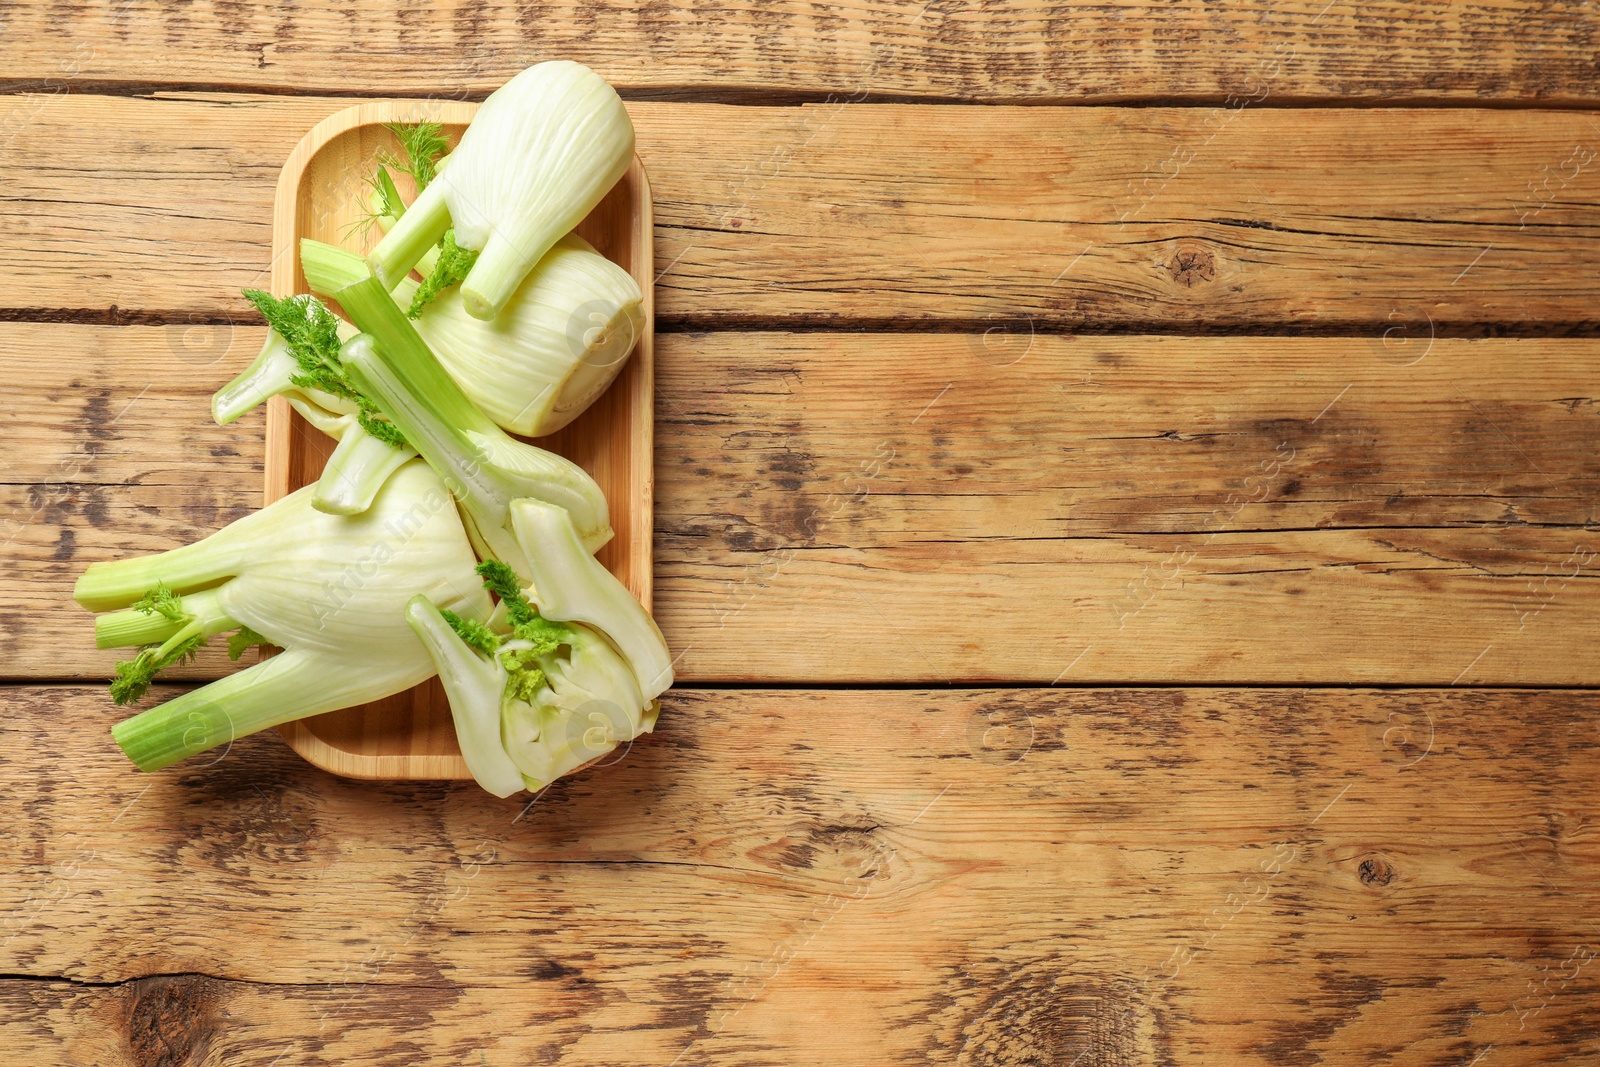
{"x":558,"y":343}
{"x":330,"y":590}
{"x":541,"y":152}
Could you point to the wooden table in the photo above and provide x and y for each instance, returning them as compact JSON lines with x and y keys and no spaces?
{"x":1127,"y":480}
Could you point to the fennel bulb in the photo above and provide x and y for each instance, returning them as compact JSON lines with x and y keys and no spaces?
{"x":331,"y":590}
{"x":549,"y":697}
{"x":484,"y":467}
{"x":541,"y":152}
{"x":561,"y":340}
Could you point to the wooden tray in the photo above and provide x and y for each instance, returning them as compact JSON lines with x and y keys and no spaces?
{"x":321,"y":194}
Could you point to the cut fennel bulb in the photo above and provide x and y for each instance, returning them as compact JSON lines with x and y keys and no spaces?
{"x":570,"y":585}
{"x":331,"y":590}
{"x":587,"y":707}
{"x":538,"y":702}
{"x":561,"y":339}
{"x":541,"y":152}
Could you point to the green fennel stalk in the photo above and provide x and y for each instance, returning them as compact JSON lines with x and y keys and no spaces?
{"x":484,"y":467}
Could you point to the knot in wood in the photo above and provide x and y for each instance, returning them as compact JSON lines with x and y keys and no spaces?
{"x":1192,"y":266}
{"x":170,"y":1018}
{"x":1375,"y":870}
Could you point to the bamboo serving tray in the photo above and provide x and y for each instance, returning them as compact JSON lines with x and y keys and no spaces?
{"x":322,"y":193}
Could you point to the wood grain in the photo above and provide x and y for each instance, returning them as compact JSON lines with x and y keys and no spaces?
{"x":114,"y":447}
{"x":833,"y":877}
{"x":1079,"y":876}
{"x":1019,"y":51}
{"x":1367,"y":221}
{"x":901,"y":509}
{"x":1218,"y":510}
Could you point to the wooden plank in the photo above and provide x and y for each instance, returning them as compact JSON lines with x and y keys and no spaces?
{"x":1021,"y":51}
{"x":1140,"y":509}
{"x":1252,"y":877}
{"x":1104,"y":509}
{"x":1361,"y":220}
{"x":111,"y":451}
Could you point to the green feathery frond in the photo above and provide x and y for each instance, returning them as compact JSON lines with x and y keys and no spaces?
{"x":501,"y":580}
{"x":546,"y":636}
{"x":453,"y":265}
{"x":375,"y":423}
{"x":524,"y":675}
{"x":164,"y":602}
{"x":423,"y":144}
{"x":312,"y":334}
{"x":526,"y":622}
{"x":474,"y":634}
{"x":244,"y":641}
{"x":134,"y":676}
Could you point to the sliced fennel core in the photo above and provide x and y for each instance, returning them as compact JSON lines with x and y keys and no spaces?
{"x":541,"y":152}
{"x":560,"y":341}
{"x":330,"y":590}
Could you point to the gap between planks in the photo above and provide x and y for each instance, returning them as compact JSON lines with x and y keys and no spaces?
{"x":977,"y":327}
{"x":756,"y":96}
{"x":1209,"y":686}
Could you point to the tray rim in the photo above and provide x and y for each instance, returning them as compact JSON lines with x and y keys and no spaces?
{"x":276,"y":466}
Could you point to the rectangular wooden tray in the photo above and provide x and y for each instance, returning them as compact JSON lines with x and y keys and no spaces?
{"x":322,"y":193}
